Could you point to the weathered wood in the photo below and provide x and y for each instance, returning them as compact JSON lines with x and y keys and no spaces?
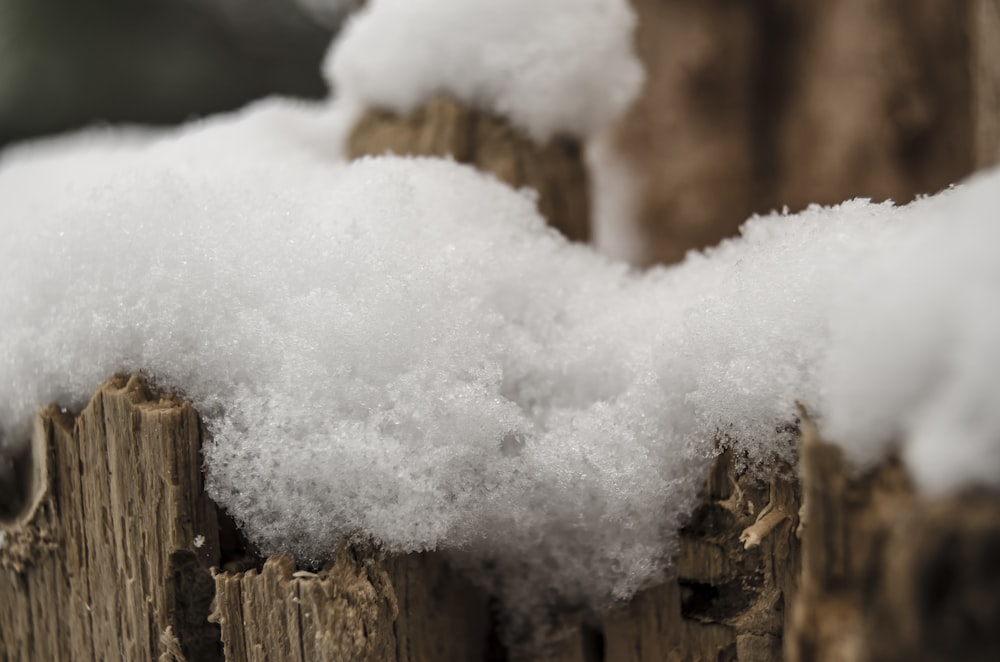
{"x":103,"y":564}
{"x":985,"y":32}
{"x":888,"y":574}
{"x":111,"y":559}
{"x":752,"y":106}
{"x":408,"y":608}
{"x":880,"y":101}
{"x":735,"y":571}
{"x":445,"y":127}
{"x":691,"y":135}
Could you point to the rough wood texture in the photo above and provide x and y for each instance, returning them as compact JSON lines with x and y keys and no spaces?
{"x":104,"y":564}
{"x":986,"y":81}
{"x":445,"y":127}
{"x":888,"y":574}
{"x":406,"y":609}
{"x":734,"y":573}
{"x":880,"y":101}
{"x":691,"y":134}
{"x":751,"y":106}
{"x":111,"y":559}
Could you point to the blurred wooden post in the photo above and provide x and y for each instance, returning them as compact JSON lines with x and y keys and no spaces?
{"x":753,"y":106}
{"x":985,"y":31}
{"x":446,"y":128}
{"x":111,"y":559}
{"x":691,"y":136}
{"x":888,"y":574}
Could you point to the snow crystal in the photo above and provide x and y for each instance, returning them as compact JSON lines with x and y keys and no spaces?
{"x":551,"y":66}
{"x":400,"y":348}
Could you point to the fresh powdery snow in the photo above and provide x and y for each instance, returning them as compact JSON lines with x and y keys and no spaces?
{"x":550,"y":66}
{"x":400,"y":348}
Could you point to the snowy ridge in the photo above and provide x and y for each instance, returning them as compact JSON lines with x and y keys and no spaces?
{"x":401,"y":348}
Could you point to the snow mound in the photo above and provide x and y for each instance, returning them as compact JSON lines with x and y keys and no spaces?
{"x":400,"y":348}
{"x":550,"y":66}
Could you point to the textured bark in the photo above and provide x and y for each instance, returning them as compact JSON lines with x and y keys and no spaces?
{"x":888,"y":574}
{"x":986,"y":81}
{"x":691,"y":134}
{"x":752,"y":106}
{"x":445,"y":127}
{"x":103,"y":564}
{"x":406,"y":609}
{"x":880,"y":101}
{"x":735,"y":571}
{"x":109,"y":558}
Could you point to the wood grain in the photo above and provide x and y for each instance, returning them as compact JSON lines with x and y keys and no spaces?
{"x":103,"y":564}
{"x":446,"y":128}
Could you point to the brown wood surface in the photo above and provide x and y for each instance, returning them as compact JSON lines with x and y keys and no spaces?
{"x":691,"y":137}
{"x":985,"y":33}
{"x":117,"y":557}
{"x":753,"y":106}
{"x":103,"y":563}
{"x":446,"y":128}
{"x":888,"y":574}
{"x":736,"y":569}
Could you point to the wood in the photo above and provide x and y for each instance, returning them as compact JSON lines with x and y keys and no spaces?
{"x":111,"y":559}
{"x":985,"y":31}
{"x":359,"y":607}
{"x":735,"y":571}
{"x":691,"y":135}
{"x":753,"y":106}
{"x":445,"y":128}
{"x":880,"y":101}
{"x":103,"y":563}
{"x":117,"y":555}
{"x":888,"y":574}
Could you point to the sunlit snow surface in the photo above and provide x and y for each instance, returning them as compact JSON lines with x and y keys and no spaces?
{"x":401,"y":349}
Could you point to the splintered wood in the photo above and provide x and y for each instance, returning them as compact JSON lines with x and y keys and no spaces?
{"x":888,"y":575}
{"x":443,"y":127}
{"x":117,"y":553}
{"x":734,"y":573}
{"x":406,"y":609}
{"x":102,"y":564}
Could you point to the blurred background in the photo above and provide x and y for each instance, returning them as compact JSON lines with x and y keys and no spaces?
{"x":750,"y":105}
{"x":71,"y":63}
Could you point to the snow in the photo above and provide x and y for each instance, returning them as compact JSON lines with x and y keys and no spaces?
{"x":401,"y":348}
{"x":199,"y":541}
{"x":550,"y":66}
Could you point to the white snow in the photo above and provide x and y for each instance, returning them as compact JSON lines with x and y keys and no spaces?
{"x":199,"y":541}
{"x":401,"y":348}
{"x":550,"y":66}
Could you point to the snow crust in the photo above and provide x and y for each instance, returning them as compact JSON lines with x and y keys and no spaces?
{"x":550,"y":66}
{"x":400,"y":348}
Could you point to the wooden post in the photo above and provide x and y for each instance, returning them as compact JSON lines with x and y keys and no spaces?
{"x":446,"y":128}
{"x":888,"y":574}
{"x":117,"y":556}
{"x":691,"y":135}
{"x":110,"y":559}
{"x":725,"y":596}
{"x":985,"y":32}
